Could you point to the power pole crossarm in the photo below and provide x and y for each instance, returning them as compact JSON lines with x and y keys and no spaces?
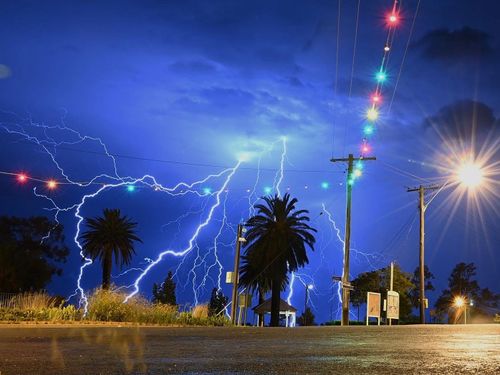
{"x":347,"y":238}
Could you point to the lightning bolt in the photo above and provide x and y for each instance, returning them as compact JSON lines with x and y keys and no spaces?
{"x":193,"y":238}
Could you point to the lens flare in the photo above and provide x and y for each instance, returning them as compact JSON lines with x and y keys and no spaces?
{"x":470,"y":175}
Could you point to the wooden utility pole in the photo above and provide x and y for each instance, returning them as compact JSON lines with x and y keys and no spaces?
{"x":234,"y":300}
{"x":347,"y":238}
{"x":422,"y":207}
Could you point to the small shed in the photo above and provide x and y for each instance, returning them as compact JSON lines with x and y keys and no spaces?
{"x":285,"y":309}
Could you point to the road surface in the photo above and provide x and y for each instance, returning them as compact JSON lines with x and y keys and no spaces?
{"x":433,"y":349}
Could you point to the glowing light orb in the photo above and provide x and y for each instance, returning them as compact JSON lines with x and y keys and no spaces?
{"x":310,"y":287}
{"x":376,"y":98}
{"x":51,"y":184}
{"x":372,"y":114}
{"x":459,"y":301}
{"x":470,"y":175}
{"x":207,"y":190}
{"x":381,"y":76}
{"x":130,"y":188}
{"x":325,"y":185}
{"x":368,"y":129}
{"x":387,"y":48}
{"x":357,"y":173}
{"x":22,"y":178}
{"x":359,"y":164}
{"x":268,"y":190}
{"x":365,"y":149}
{"x":393,"y":19}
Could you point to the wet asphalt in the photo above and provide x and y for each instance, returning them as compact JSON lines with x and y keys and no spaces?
{"x":431,"y":349}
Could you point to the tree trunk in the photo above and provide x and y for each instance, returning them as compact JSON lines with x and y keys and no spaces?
{"x":107,"y":264}
{"x":261,"y":316}
{"x":275,"y":303}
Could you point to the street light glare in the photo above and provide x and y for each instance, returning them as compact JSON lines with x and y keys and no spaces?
{"x":470,"y":175}
{"x":459,"y":302}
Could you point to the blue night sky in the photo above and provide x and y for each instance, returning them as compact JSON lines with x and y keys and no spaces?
{"x":180,"y":90}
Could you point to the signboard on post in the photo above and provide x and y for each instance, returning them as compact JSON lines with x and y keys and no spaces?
{"x":229,"y":277}
{"x":373,"y":306}
{"x":392,"y":305}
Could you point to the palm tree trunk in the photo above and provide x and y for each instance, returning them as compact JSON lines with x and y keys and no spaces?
{"x":275,"y":302}
{"x":107,"y":264}
{"x":261,"y":300}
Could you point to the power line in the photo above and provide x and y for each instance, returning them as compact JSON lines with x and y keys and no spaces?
{"x":404,"y":57}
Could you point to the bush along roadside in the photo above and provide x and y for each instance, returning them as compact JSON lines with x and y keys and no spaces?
{"x":104,"y":306}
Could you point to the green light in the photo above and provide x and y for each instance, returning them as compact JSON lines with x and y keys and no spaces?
{"x":350,"y":181}
{"x":359,"y":164}
{"x":368,"y":129}
{"x":381,"y":76}
{"x":268,"y":190}
{"x":130,"y":188}
{"x":325,"y":185}
{"x":207,"y":191}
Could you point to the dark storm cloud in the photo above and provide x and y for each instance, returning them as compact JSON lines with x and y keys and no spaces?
{"x":463,"y":118}
{"x":462,"y":44}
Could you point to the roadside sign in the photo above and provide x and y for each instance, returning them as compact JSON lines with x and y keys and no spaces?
{"x":373,"y":306}
{"x":392,"y":305}
{"x":245,"y":300}
{"x":229,"y":277}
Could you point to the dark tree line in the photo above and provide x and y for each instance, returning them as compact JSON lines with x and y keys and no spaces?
{"x":31,"y":252}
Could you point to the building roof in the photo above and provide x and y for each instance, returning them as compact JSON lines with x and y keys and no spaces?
{"x":265,"y":307}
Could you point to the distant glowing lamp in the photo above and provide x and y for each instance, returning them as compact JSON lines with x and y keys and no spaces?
{"x":372,"y":114}
{"x":368,"y":129}
{"x":268,"y":190}
{"x":459,"y":301}
{"x":387,"y":48}
{"x":393,"y":19}
{"x":51,"y":184}
{"x":22,"y":178}
{"x":470,"y":175}
{"x":357,"y":173}
{"x":130,"y":188}
{"x":310,"y":287}
{"x":381,"y":76}
{"x":207,"y":191}
{"x":365,"y":149}
{"x":376,"y":98}
{"x":325,"y":185}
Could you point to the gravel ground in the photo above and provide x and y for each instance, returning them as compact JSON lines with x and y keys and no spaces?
{"x":433,"y":349}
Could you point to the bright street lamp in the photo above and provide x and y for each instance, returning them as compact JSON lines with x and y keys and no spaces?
{"x":460,"y":302}
{"x":470,"y":175}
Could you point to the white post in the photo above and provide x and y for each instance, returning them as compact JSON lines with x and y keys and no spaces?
{"x":392,"y":285}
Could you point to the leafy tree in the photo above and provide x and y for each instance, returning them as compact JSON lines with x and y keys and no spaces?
{"x":30,"y":250}
{"x":165,"y":292}
{"x":110,"y":236}
{"x":276,"y":245}
{"x":462,"y":283}
{"x":307,"y":318}
{"x":218,"y":302}
{"x":415,"y":291}
{"x":365,"y":282}
{"x":379,"y":281}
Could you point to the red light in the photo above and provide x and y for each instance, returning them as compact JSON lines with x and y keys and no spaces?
{"x":51,"y":184}
{"x":376,"y":98}
{"x":22,"y":178}
{"x":393,"y":19}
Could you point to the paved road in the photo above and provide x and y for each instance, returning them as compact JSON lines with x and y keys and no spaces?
{"x":314,"y":350}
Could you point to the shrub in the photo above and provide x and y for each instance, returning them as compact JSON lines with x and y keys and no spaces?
{"x":200,"y":312}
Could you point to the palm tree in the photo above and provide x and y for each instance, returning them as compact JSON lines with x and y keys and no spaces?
{"x":276,"y":244}
{"x":108,"y":236}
